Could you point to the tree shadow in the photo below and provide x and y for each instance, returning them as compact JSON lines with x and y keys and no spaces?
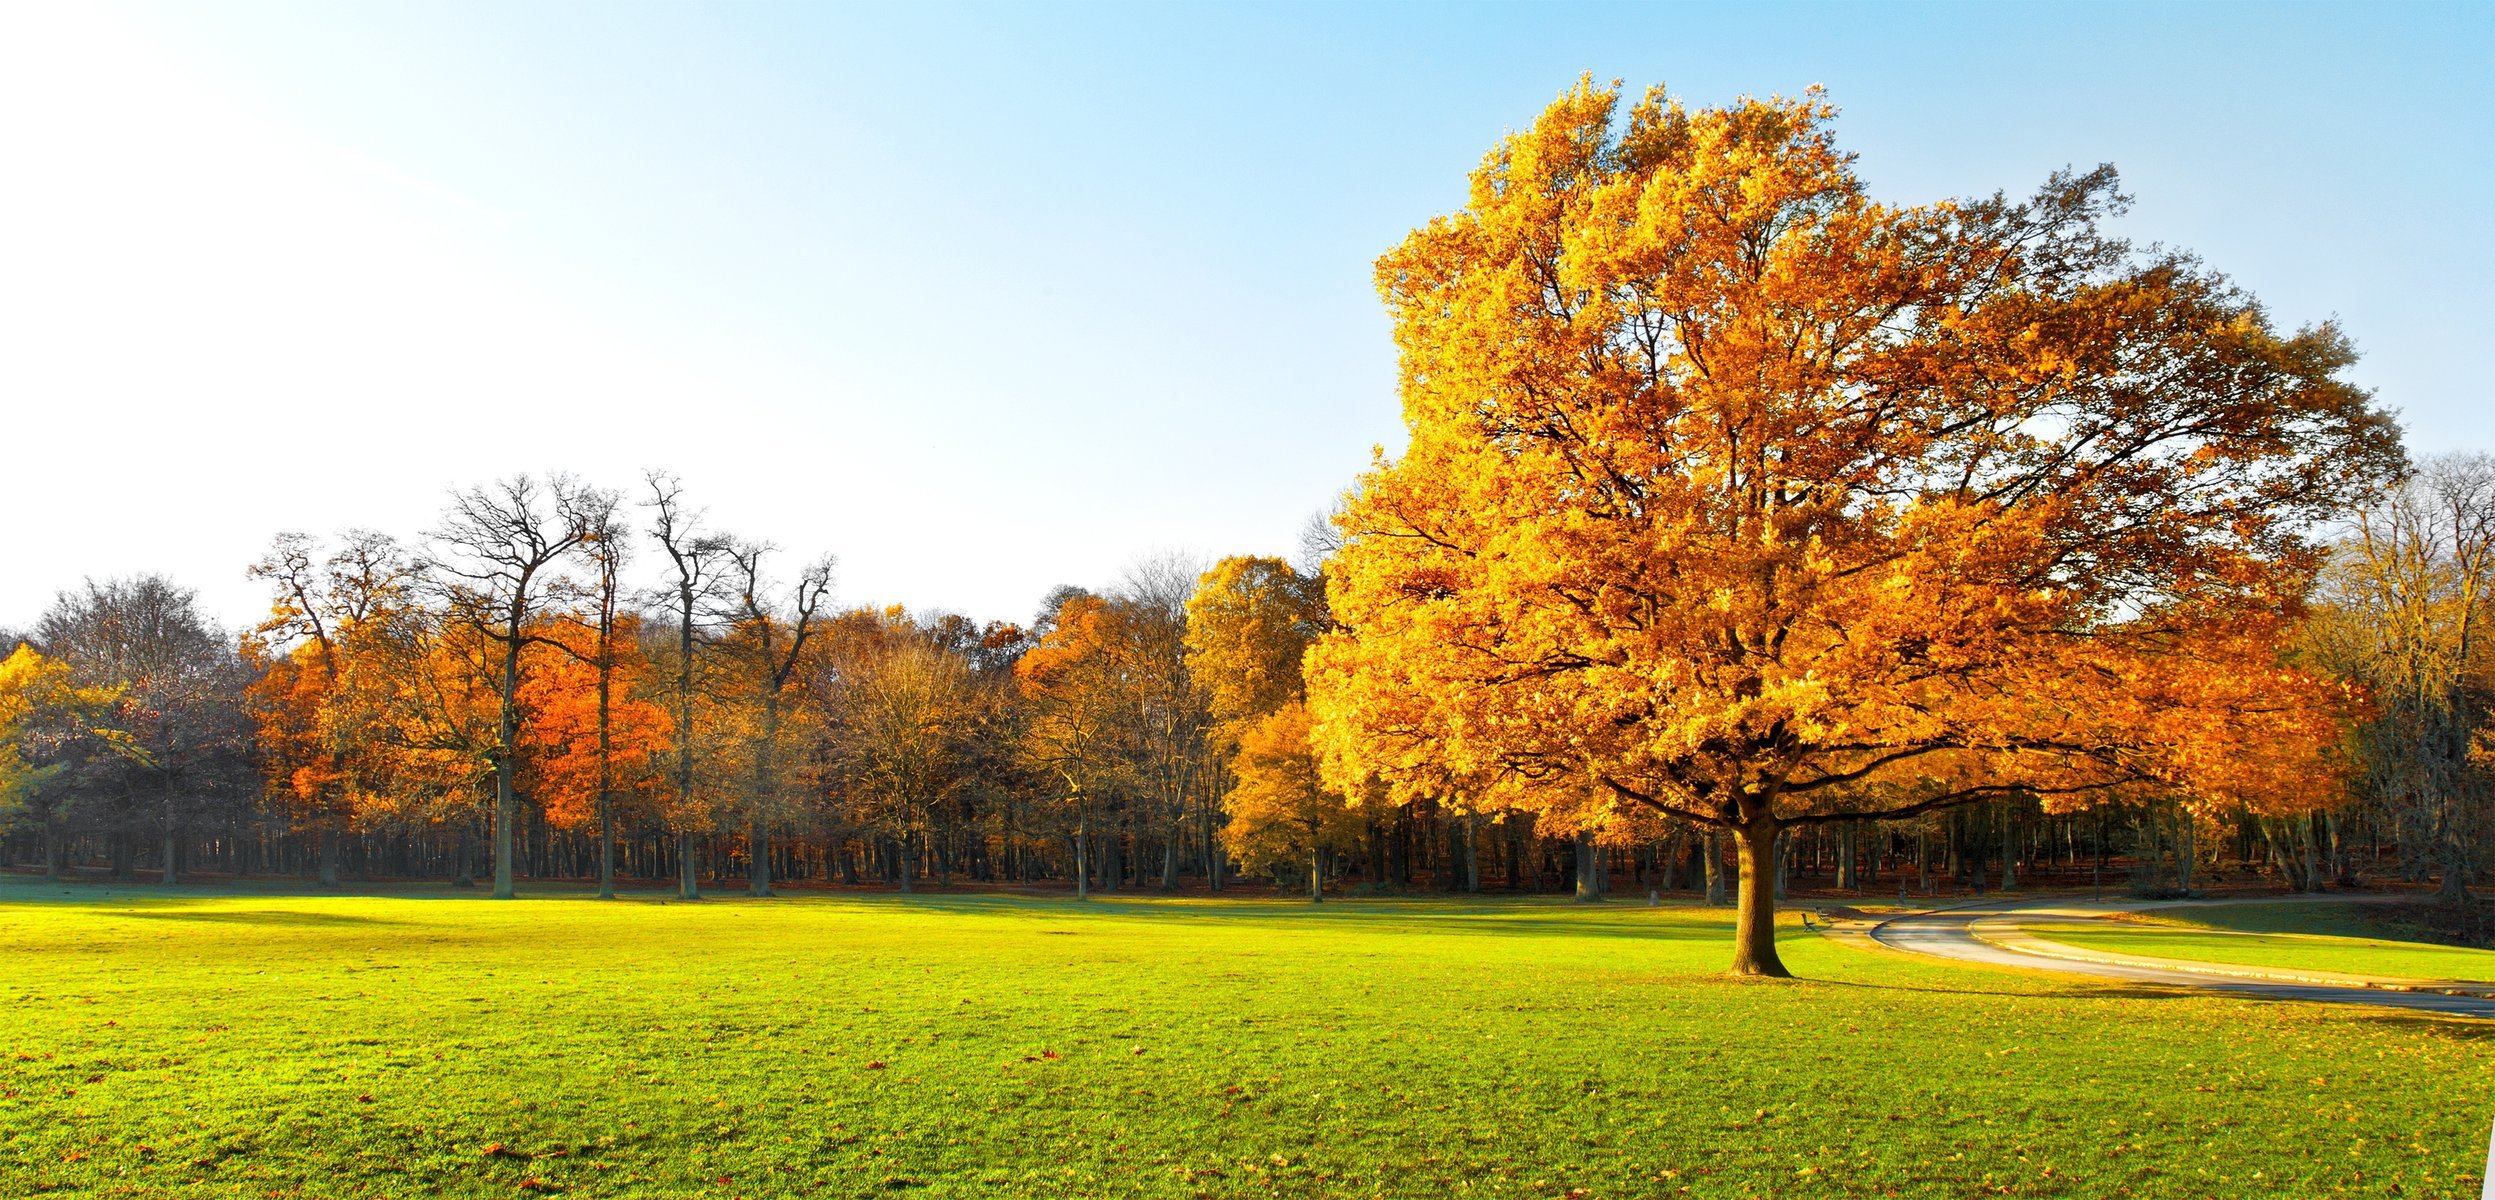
{"x":257,"y":918}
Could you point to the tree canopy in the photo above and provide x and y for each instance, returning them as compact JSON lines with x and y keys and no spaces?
{"x":1738,"y":495}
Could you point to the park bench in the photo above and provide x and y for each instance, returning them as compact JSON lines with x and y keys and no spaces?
{"x":1817,"y":920}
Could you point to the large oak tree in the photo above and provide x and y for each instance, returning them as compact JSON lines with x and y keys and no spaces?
{"x":1734,"y":494}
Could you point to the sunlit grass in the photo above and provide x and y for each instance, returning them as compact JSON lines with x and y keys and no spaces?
{"x":2317,"y":937}
{"x":238,"y":1045}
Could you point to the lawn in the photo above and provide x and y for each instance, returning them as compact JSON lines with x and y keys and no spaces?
{"x":2317,"y":936}
{"x":197,"y":1044}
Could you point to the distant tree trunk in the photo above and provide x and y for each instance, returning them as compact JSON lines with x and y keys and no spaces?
{"x":1472,"y":852}
{"x":1082,"y":852}
{"x":1715,"y":869}
{"x":606,"y":728}
{"x":1316,"y":865}
{"x":1587,"y":890}
{"x":329,"y":856}
{"x":2312,"y":854}
{"x":2009,"y":850}
{"x":2186,"y":849}
{"x":766,"y":787}
{"x":1845,"y":857}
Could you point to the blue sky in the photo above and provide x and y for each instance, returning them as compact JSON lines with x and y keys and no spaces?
{"x":989,"y":298}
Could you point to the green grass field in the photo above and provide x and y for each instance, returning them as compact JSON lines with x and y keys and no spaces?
{"x":278,"y":1044}
{"x":2314,"y":936}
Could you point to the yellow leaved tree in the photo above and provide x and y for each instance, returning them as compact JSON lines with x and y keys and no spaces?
{"x":1737,"y":496}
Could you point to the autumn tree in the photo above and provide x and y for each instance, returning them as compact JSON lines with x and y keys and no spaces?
{"x":1249,"y":623}
{"x":498,"y":548}
{"x":1075,"y":727}
{"x":2409,"y":606}
{"x":594,"y":739}
{"x":1171,"y":720}
{"x":49,"y":726}
{"x":320,"y":604}
{"x":1736,"y":495}
{"x":910,"y":717}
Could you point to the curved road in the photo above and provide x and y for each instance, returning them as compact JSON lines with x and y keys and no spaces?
{"x":1946,"y":934}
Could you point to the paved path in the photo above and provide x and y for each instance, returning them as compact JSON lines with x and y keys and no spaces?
{"x":1949,"y":934}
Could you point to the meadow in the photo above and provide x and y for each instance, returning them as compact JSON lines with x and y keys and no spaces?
{"x":2319,"y":937}
{"x":161,"y":1042}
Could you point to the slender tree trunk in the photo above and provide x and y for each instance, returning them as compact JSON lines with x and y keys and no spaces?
{"x":2313,"y":877}
{"x":766,"y":787}
{"x":2009,"y":850}
{"x":1754,"y":927}
{"x":1472,"y":852}
{"x":1586,"y":890}
{"x":1082,"y":852}
{"x":506,"y":800}
{"x":329,"y":855}
{"x":1715,"y":869}
{"x":606,"y":757}
{"x":1316,"y":866}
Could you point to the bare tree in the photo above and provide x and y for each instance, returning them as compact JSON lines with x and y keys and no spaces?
{"x":495,"y":554}
{"x":607,"y":552}
{"x":695,"y":558}
{"x":770,"y":662}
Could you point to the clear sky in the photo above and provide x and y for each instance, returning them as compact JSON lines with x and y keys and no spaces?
{"x":985,"y":299}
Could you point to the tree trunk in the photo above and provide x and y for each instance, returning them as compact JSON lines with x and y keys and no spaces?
{"x":2186,"y":851}
{"x":1082,"y":854}
{"x":329,"y":856}
{"x":1472,"y":852}
{"x":606,"y":745}
{"x":507,"y":801}
{"x":766,"y":789}
{"x":1754,"y":927}
{"x":1587,"y":891}
{"x":1316,"y":866}
{"x":2009,"y":850}
{"x":1715,"y":869}
{"x":688,"y":867}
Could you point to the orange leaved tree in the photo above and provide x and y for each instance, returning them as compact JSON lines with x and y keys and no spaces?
{"x":1738,"y":496}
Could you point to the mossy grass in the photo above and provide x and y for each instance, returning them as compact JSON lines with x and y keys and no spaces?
{"x":180,"y":1042}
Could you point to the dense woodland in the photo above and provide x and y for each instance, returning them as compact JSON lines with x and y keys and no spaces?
{"x":1751,"y":535}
